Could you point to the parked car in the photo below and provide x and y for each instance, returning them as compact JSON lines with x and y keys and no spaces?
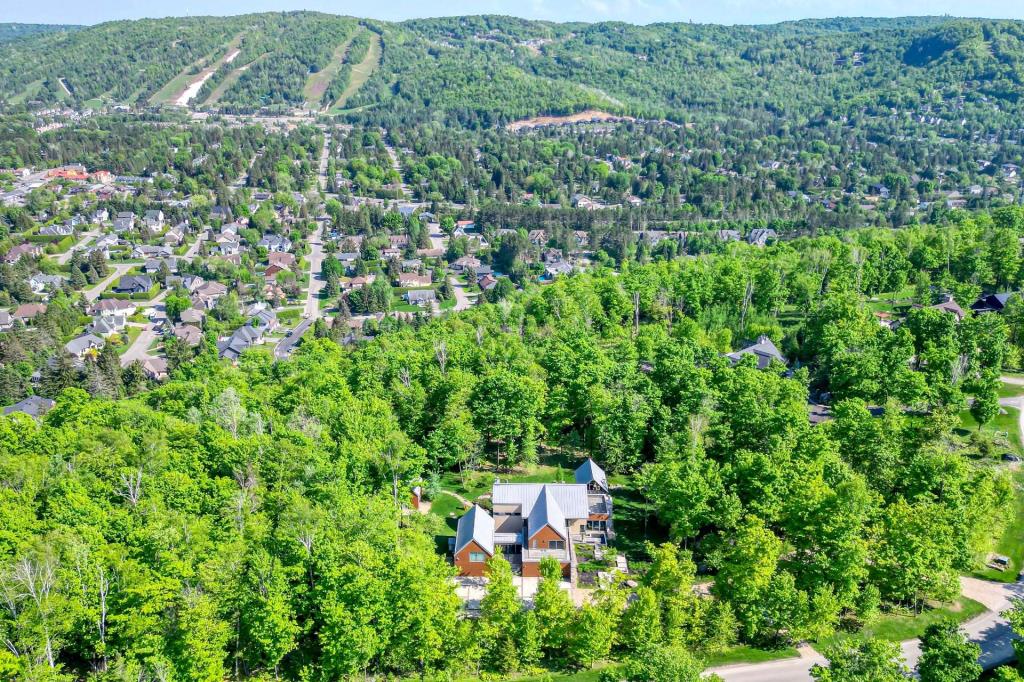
{"x":1010,"y":457}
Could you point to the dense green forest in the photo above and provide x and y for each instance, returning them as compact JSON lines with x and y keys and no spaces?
{"x":16,"y":31}
{"x":243,"y":520}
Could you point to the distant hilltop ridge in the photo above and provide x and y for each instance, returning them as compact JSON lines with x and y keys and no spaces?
{"x":488,"y":71}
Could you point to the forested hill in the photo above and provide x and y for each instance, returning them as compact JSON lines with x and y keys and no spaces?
{"x":487,"y":70}
{"x":15,"y":31}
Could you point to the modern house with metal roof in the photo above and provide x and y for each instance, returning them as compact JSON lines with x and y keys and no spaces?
{"x":531,"y":521}
{"x":764,"y":350}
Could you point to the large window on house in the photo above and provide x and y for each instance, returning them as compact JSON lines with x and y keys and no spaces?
{"x":596,"y":525}
{"x":556,"y":544}
{"x":477,"y":557}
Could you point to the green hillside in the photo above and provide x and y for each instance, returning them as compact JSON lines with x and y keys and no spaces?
{"x":488,"y":70}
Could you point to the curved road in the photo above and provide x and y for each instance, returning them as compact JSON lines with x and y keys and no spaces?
{"x":990,"y":630}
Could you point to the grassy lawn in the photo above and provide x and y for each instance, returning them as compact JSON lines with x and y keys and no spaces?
{"x":635,"y":524}
{"x":1010,"y":542}
{"x":553,"y":467}
{"x":897,"y":627}
{"x":443,"y":506}
{"x":748,"y":654}
{"x":132,"y":333}
{"x":1010,"y":390}
{"x":1006,"y":422}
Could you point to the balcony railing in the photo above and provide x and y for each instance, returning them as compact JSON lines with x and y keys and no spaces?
{"x":538,"y":554}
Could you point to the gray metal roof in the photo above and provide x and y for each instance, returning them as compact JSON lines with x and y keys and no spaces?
{"x":764,"y":350}
{"x":570,"y":497}
{"x":546,"y":512}
{"x":476,"y":525}
{"x":590,"y":471}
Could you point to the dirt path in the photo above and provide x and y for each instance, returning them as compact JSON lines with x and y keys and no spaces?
{"x":1017,"y":402}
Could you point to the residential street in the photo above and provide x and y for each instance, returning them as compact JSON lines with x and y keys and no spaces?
{"x":324,"y":155}
{"x":990,"y":630}
{"x":462,"y":299}
{"x":86,"y":238}
{"x":286,"y":345}
{"x":316,"y":282}
{"x":140,"y":346}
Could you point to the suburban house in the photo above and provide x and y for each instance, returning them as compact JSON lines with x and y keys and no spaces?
{"x":64,"y":230}
{"x":174,"y":237}
{"x":34,"y":406}
{"x":531,"y":521}
{"x":264,"y":320}
{"x":155,"y":368}
{"x":949,"y":305}
{"x":42,"y":283}
{"x":192,"y":316}
{"x":134,"y":284}
{"x":83,"y":344}
{"x":420,"y":296}
{"x":6,"y":321}
{"x":124,"y":221}
{"x":409,"y":280}
{"x":106,"y":326}
{"x":764,"y":350}
{"x":113,"y":307}
{"x":271,"y":273}
{"x":147,"y":251}
{"x":233,"y":346}
{"x":461,"y":264}
{"x":188,"y":334}
{"x":275,"y":243}
{"x":991,"y":303}
{"x":282,"y":260}
{"x":208,"y":293}
{"x":16,"y":253}
{"x":28,"y":311}
{"x":154,"y":220}
{"x":761,"y":236}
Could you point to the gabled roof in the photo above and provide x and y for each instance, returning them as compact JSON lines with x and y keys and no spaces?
{"x":477,"y":526}
{"x":546,"y":512}
{"x":589,"y":471}
{"x":33,"y":406}
{"x":571,"y":497}
{"x":764,"y":350}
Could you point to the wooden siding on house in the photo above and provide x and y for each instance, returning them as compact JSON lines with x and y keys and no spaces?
{"x":471,"y":568}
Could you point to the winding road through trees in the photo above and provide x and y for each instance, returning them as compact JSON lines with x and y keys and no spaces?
{"x":991,"y":631}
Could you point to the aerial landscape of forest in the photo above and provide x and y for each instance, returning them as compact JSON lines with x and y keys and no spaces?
{"x":477,"y":347}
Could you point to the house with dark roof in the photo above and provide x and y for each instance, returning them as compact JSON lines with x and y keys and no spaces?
{"x":991,"y":303}
{"x":531,"y":521}
{"x":134,"y":284}
{"x":764,"y":350}
{"x":34,"y":406}
{"x":241,"y":340}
